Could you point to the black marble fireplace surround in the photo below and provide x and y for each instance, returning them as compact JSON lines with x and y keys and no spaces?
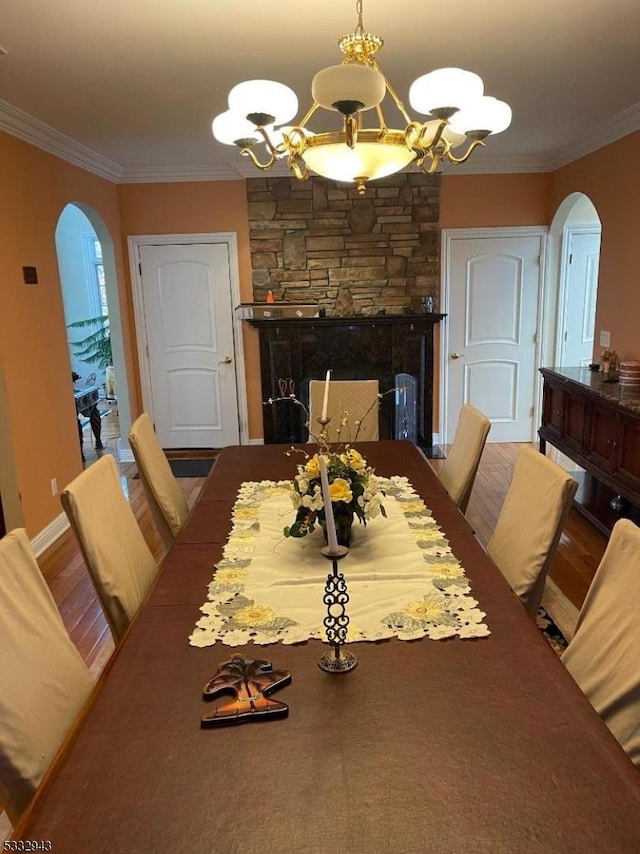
{"x":353,"y":348}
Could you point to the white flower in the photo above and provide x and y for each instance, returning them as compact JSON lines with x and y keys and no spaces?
{"x":303,"y":484}
{"x":313,"y":502}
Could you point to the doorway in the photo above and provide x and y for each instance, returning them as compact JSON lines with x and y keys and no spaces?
{"x":572,"y":282}
{"x":186,"y":288}
{"x":492,"y":290}
{"x":86,"y":265}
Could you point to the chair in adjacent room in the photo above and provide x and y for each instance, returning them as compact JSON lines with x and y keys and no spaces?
{"x":530,"y":524}
{"x":166,"y":499}
{"x":352,"y":400}
{"x":603,"y":654}
{"x":44,"y":681}
{"x":112,"y":545}
{"x":458,"y":473}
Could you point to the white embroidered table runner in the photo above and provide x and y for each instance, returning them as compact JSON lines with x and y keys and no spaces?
{"x":403,"y":580}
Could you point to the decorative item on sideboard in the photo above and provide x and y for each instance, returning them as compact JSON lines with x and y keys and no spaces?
{"x":630,"y":374}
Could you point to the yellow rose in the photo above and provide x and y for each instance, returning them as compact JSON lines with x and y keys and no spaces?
{"x":230,"y":576}
{"x":429,"y":609}
{"x":312,"y":468}
{"x":354,"y":460}
{"x":340,"y":490}
{"x":254,"y":615}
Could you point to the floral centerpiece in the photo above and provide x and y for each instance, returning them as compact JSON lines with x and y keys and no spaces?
{"x":354,"y":490}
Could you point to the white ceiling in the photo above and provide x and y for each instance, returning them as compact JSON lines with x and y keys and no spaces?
{"x":139,"y":81}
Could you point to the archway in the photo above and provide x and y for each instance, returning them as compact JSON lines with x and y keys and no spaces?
{"x":82,"y":234}
{"x":573,"y":251}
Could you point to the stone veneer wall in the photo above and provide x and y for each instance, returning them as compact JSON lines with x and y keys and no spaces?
{"x":319,"y":242}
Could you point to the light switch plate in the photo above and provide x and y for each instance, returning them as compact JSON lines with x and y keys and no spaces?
{"x":605,"y":339}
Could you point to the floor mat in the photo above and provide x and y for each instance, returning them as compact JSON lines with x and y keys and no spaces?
{"x":191,"y":467}
{"x":551,"y":632}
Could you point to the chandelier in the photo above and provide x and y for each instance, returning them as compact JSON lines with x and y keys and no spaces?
{"x":459,"y":117}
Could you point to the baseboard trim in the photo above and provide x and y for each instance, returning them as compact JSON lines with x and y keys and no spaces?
{"x":256,"y":441}
{"x":47,"y":537}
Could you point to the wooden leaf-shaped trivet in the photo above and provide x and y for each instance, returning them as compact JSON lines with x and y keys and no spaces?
{"x":250,"y":681}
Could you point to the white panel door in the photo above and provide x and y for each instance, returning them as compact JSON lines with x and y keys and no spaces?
{"x":581,"y":291}
{"x":493,"y":317}
{"x":189,"y":329}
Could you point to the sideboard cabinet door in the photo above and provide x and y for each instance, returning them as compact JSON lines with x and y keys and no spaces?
{"x":628,"y":462}
{"x":602,"y":436}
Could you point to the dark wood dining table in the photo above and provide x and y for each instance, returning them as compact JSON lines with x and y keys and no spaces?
{"x":474,"y":745}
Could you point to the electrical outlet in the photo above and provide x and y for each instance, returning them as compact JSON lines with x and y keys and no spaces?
{"x":54,"y":486}
{"x":605,"y":339}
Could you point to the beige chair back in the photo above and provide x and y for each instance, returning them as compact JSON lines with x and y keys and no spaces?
{"x":116,"y":554}
{"x":166,"y":499}
{"x":530,"y":524}
{"x":458,"y":473}
{"x":43,"y":680}
{"x":604,"y":654}
{"x":357,"y":398}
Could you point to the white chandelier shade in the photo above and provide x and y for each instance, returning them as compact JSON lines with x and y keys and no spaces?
{"x":355,"y":84}
{"x":445,"y":88}
{"x":459,"y":117}
{"x":264,"y":96}
{"x":229,"y":127}
{"x":483,"y":114}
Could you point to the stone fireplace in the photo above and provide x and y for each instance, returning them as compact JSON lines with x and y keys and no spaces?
{"x":320,"y":242}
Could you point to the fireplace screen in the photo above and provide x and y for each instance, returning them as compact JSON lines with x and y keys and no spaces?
{"x":406,"y":408}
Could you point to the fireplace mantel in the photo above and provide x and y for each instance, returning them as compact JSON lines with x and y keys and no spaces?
{"x":367,"y":347}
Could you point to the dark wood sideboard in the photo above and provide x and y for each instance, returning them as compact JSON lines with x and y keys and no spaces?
{"x":302,"y":349}
{"x":596,"y":424}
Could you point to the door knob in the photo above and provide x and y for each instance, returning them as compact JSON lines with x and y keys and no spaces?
{"x":226,"y":361}
{"x":457,"y":355}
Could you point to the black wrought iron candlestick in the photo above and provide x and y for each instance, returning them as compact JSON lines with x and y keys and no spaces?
{"x":336,"y":622}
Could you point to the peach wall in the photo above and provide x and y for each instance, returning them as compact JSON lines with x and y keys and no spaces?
{"x":199,"y":207}
{"x":33,"y":343}
{"x":610,"y":177}
{"x":489,"y":201}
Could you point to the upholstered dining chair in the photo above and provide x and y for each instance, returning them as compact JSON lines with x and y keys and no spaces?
{"x":166,"y":499}
{"x":603,"y":655}
{"x":44,"y":681}
{"x":458,"y":473}
{"x":117,"y":556}
{"x":357,"y":398}
{"x":530,"y":524}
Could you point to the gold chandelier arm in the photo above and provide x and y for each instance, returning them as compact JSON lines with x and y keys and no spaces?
{"x":396,"y":100}
{"x":434,"y":161}
{"x":350,"y":131}
{"x":248,"y":152}
{"x":298,"y":167}
{"x":438,"y":136}
{"x":306,"y":118}
{"x":383,"y":125}
{"x":452,"y":159}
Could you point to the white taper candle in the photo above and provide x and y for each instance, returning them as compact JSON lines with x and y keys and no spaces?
{"x":332,"y":540}
{"x":325,"y":402}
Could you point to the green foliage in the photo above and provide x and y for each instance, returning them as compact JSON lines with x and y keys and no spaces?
{"x":95,"y":349}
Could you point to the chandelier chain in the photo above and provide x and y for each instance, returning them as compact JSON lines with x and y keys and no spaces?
{"x":359,"y":27}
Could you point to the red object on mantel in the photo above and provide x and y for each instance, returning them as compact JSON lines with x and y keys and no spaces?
{"x":250,"y":680}
{"x":270,"y":297}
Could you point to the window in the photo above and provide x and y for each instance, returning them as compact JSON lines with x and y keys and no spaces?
{"x":95,"y":274}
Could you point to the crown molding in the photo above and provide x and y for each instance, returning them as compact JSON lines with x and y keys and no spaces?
{"x":494,"y":164}
{"x":170,"y":174}
{"x":16,"y":122}
{"x":20,"y":124}
{"x":611,"y":130}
